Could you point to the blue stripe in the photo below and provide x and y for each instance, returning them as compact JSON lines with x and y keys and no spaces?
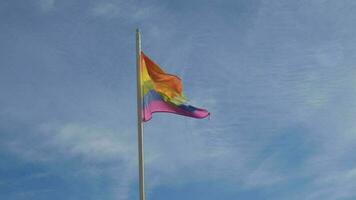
{"x":153,"y":95}
{"x":188,"y":108}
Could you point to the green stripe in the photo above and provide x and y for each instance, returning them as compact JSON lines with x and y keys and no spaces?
{"x":149,"y":85}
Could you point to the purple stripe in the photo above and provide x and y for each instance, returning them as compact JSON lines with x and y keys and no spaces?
{"x":153,"y":102}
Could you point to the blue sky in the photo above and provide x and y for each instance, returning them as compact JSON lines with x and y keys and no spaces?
{"x":279,"y":78}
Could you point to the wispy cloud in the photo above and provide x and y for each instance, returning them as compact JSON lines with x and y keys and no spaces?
{"x":265,"y":175}
{"x":46,"y":5}
{"x":106,"y":10}
{"x":261,"y":68}
{"x":336,"y":185}
{"x":92,"y":146}
{"x":128,"y":10}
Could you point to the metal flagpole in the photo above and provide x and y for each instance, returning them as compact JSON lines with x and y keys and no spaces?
{"x":139,"y":118}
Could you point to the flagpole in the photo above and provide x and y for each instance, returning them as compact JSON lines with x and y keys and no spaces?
{"x":139,"y":118}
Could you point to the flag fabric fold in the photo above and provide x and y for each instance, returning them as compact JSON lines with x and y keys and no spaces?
{"x":162,"y":92}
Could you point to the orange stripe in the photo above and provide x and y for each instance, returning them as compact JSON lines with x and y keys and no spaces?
{"x":166,"y":84}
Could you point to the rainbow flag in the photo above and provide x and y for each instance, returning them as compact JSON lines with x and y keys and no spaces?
{"x":162,"y":92}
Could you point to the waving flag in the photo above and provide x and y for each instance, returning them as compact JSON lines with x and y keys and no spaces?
{"x":162,"y":92}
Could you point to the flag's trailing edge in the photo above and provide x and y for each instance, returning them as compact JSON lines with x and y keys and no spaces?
{"x":162,"y":92}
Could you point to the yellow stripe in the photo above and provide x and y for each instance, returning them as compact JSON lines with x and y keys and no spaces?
{"x":166,"y":92}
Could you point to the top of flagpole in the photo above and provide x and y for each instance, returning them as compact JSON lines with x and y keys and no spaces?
{"x":138,"y":39}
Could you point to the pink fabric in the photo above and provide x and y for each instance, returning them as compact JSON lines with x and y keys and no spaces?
{"x":161,"y":106}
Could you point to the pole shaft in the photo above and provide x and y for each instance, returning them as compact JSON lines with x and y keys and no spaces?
{"x":139,"y":118}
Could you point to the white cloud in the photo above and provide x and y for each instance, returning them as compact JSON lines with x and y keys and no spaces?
{"x":113,"y":150}
{"x":87,"y":144}
{"x":93,"y":144}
